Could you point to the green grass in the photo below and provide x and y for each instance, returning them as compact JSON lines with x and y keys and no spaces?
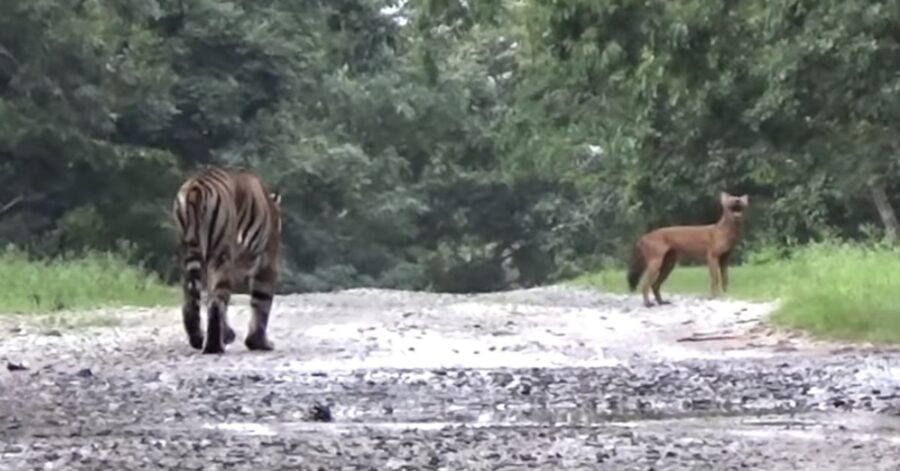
{"x":832,"y":290}
{"x":93,"y":281}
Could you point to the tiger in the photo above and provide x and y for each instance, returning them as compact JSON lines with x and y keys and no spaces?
{"x":229,"y":226}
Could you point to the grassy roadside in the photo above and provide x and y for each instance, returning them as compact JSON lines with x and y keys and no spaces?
{"x":832,"y":290}
{"x":92,"y":281}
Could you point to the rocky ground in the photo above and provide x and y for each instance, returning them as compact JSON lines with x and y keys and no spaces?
{"x":550,"y":378}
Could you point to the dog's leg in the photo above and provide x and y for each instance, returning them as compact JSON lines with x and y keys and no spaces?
{"x":653,"y":267}
{"x":714,"y":275}
{"x":668,"y":265}
{"x":723,"y":267}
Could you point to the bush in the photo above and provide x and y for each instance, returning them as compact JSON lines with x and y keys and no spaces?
{"x":88,"y":281}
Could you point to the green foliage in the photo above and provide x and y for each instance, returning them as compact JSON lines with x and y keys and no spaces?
{"x":449,"y":145}
{"x":778,"y":100}
{"x":91,"y":281}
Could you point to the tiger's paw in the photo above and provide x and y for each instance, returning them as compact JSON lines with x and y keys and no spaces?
{"x":214,"y":347}
{"x":230,"y":336}
{"x":196,"y":340}
{"x":259,"y":342}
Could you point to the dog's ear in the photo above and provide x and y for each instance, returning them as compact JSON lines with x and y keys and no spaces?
{"x":724,"y":197}
{"x":745,"y":199}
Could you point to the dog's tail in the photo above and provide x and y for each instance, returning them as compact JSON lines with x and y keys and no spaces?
{"x":636,"y":266}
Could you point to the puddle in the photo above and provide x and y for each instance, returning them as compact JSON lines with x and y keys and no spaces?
{"x":814,"y":435}
{"x":857,"y":427}
{"x":244,"y":428}
{"x":673,"y":352}
{"x":287,"y":428}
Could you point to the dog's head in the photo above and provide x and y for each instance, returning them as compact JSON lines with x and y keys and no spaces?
{"x":734,"y":206}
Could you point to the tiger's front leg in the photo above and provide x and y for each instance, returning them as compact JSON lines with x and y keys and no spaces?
{"x":262,"y":288}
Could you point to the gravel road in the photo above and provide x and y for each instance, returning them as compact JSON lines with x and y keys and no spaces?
{"x":551,"y":378}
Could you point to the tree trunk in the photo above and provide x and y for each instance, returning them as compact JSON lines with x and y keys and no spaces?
{"x":888,"y":216}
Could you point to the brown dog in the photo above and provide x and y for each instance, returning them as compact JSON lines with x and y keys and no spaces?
{"x":656,"y":252}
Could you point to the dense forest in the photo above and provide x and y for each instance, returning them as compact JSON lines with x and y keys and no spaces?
{"x":458,"y":145}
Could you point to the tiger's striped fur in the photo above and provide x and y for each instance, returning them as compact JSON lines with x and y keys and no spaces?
{"x":230,"y":229}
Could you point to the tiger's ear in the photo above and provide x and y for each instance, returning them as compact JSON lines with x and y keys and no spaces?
{"x":276,"y":197}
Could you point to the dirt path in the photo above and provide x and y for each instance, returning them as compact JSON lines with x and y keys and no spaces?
{"x":551,"y":378}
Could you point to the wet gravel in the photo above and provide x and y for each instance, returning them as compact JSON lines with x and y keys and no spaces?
{"x":562,"y":379}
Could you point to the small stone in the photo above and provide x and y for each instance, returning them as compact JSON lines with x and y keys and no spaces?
{"x":503,"y":379}
{"x":15,"y":366}
{"x":84,"y":373}
{"x":320,"y":413}
{"x":267,"y":399}
{"x":13,"y":450}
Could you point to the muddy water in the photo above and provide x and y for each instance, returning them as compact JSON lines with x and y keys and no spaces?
{"x":549,"y":378}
